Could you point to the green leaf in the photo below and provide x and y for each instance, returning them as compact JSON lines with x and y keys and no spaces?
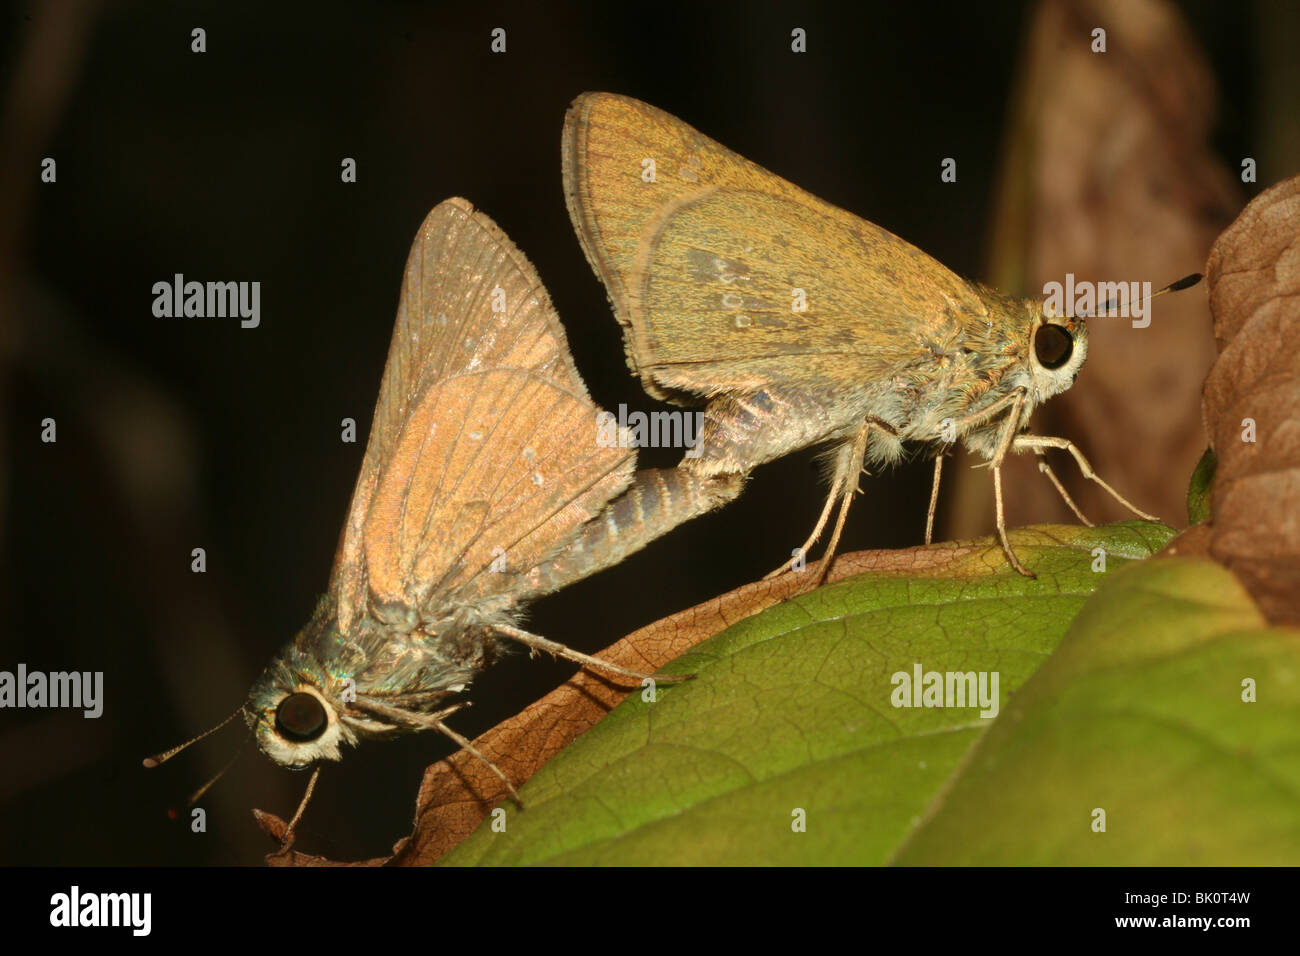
{"x":1202,"y":483}
{"x":791,"y":715}
{"x":1140,"y":714}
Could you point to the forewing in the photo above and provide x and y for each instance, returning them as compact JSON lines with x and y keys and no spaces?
{"x":721,"y":271}
{"x":473,"y":312}
{"x":491,"y":471}
{"x":461,"y":266}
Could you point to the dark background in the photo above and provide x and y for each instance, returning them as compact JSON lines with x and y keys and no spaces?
{"x":183,"y":433}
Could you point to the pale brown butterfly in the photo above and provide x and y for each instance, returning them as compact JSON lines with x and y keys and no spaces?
{"x":798,"y":323}
{"x":484,"y":485}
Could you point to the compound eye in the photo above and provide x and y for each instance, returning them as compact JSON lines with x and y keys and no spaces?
{"x":1053,"y":346}
{"x":300,"y":717}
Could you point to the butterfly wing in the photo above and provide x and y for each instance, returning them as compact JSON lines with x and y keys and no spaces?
{"x":728,"y":278}
{"x":483,"y":444}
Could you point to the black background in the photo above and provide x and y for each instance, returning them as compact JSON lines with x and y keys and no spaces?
{"x":175,"y":433}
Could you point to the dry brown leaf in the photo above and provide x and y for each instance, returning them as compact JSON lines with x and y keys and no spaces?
{"x":274,"y":827}
{"x":458,"y":792}
{"x":1254,"y":279}
{"x":1109,"y":175}
{"x":1192,"y":543}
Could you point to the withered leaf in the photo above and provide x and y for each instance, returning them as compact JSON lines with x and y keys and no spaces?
{"x":1251,"y":402}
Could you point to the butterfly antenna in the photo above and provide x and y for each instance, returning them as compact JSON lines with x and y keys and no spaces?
{"x":1186,"y":282}
{"x":197,"y":795}
{"x":158,"y":759}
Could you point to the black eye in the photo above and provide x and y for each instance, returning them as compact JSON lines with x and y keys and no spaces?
{"x":300,"y":717}
{"x":1053,"y":346}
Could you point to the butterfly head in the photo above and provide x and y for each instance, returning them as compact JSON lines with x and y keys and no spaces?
{"x":1058,"y":346}
{"x":295,"y":713}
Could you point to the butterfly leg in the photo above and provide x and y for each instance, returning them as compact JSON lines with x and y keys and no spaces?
{"x":1013,"y":402}
{"x":1042,"y":441}
{"x":832,"y":496}
{"x":849,"y":465}
{"x":1005,"y":443}
{"x":286,"y":841}
{"x":463,"y":742}
{"x":850,"y":489}
{"x":934,"y":498}
{"x":1046,"y":469}
{"x":436,"y":721}
{"x":538,"y":643}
